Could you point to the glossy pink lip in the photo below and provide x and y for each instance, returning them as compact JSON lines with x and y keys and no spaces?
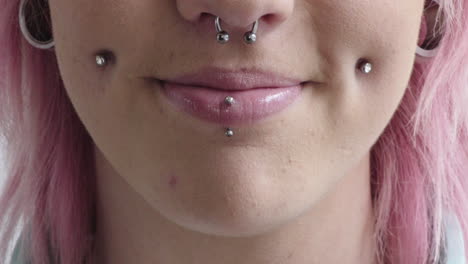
{"x":257,"y":95}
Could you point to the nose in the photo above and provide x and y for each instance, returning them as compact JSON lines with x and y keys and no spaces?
{"x":238,"y":14}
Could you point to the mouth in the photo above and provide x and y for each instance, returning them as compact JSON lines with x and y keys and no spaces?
{"x":255,"y":95}
{"x":223,"y":79}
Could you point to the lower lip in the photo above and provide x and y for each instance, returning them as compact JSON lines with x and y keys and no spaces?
{"x":250,"y":105}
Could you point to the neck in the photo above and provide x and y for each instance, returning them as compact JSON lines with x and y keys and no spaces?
{"x":336,"y":229}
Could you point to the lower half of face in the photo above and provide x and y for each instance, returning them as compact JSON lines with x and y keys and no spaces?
{"x":171,"y":146}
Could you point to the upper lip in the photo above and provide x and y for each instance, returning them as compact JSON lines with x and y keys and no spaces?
{"x":224,"y":79}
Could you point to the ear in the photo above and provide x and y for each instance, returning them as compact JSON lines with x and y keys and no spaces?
{"x":431,"y":26}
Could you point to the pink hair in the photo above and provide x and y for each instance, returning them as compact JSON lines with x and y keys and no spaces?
{"x":419,"y":164}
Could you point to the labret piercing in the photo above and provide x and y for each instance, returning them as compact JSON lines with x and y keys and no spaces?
{"x":229,"y":132}
{"x":229,"y":100}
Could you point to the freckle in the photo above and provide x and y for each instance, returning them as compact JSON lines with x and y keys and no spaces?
{"x":173,"y":181}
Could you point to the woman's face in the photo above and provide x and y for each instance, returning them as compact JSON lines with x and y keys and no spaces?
{"x":271,"y":170}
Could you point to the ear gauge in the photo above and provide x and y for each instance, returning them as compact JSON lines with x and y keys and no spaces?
{"x":430,"y":36}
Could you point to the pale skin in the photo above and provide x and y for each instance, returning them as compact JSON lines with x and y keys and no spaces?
{"x":292,"y":189}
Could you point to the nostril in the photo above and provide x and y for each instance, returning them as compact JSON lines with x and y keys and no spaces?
{"x":269,"y":18}
{"x":204,"y":16}
{"x":208,"y":20}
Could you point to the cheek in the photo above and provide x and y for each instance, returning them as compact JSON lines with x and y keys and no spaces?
{"x":385,"y":33}
{"x":79,"y":31}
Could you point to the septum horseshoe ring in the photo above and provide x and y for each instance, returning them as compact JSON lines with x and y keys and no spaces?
{"x":223,"y":37}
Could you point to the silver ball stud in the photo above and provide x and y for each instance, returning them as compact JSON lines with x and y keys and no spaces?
{"x":366,"y":67}
{"x":100,"y":60}
{"x":250,"y":37}
{"x":229,"y":100}
{"x":229,"y":132}
{"x":222,"y":37}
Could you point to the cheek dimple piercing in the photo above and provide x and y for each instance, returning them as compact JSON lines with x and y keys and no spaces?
{"x":365,"y":67}
{"x":101,"y":60}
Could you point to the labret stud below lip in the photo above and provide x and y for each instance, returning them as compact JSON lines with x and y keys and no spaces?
{"x":229,"y":132}
{"x":229,"y":100}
